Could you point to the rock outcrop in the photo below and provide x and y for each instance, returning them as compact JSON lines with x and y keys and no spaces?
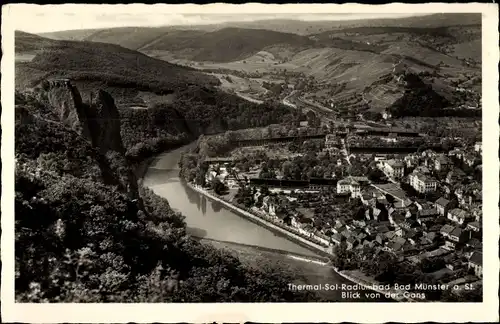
{"x":68,"y":106}
{"x":104,"y":121}
{"x":98,"y":121}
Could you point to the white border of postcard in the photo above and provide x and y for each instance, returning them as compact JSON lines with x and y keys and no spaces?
{"x":264,"y":312}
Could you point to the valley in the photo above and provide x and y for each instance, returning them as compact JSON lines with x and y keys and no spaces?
{"x":122,"y":134}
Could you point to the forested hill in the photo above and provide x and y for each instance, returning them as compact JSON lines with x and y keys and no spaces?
{"x":420,"y":99}
{"x":108,"y":63}
{"x":228,"y":44}
{"x":81,"y":238}
{"x":160,"y":105}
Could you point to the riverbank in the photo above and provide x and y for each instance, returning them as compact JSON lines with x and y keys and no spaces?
{"x":359,"y":278}
{"x":355,"y":277}
{"x":160,"y":163}
{"x":141,"y":169}
{"x":324,"y":251}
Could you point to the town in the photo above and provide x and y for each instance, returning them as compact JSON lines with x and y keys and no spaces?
{"x":364,"y":194}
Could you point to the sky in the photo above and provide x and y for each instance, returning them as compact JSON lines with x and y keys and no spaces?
{"x":45,"y":18}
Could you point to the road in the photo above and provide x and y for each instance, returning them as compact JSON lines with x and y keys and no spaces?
{"x":344,"y":151}
{"x":293,"y":100}
{"x":286,"y":101}
{"x":239,"y":94}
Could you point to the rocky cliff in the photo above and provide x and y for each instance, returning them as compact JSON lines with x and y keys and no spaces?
{"x":97,"y":121}
{"x":67,"y":105}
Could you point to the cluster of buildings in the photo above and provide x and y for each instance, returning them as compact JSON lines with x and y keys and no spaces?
{"x":443,"y":220}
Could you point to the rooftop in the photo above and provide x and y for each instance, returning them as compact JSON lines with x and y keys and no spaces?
{"x":427,"y":212}
{"x":446,"y":229}
{"x":395,"y":163}
{"x":476,"y":258}
{"x":459,"y":213}
{"x":306,"y":212}
{"x":423,"y":177}
{"x":392,"y":189}
{"x":442,"y":201}
{"x":456,"y":232}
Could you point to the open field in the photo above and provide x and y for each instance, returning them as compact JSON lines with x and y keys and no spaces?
{"x":24,"y":57}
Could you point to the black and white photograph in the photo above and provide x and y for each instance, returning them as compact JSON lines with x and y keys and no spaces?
{"x":182,"y":155}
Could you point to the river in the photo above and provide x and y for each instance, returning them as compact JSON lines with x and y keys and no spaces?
{"x":210,"y":220}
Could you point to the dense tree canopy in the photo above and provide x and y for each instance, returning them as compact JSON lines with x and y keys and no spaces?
{"x":81,"y":238}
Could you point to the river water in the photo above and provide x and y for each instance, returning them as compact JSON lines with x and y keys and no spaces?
{"x":211,"y":220}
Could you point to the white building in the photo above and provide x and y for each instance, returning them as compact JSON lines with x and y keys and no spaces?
{"x":478,"y":147}
{"x":349,"y":185}
{"x":394,"y":168}
{"x":422,"y":183}
{"x":459,"y":216}
{"x":343,"y":186}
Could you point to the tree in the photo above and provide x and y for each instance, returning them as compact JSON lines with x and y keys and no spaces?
{"x":286,"y":168}
{"x":219,"y":187}
{"x":264,"y":190}
{"x":376,"y":175}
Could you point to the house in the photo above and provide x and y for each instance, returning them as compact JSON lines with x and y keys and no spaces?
{"x":343,"y":186}
{"x":456,"y":236}
{"x":386,"y":114}
{"x":456,"y":152}
{"x":290,"y":220}
{"x":402,"y":204}
{"x":355,"y":189}
{"x":443,"y":205}
{"x":411,"y":160}
{"x":394,"y":168}
{"x":380,"y":239}
{"x":382,"y":229}
{"x":422,"y":183}
{"x":390,"y":235}
{"x":459,"y":216}
{"x":359,"y":223}
{"x":367,"y":198}
{"x":474,"y":243}
{"x":455,"y":176}
{"x":408,"y":224}
{"x":446,"y":230}
{"x":428,"y":214}
{"x":422,"y":204}
{"x":210,"y":175}
{"x":422,"y":169}
{"x":331,"y":141}
{"x":305,"y":215}
{"x":322,"y":238}
{"x":336,"y":238}
{"x":476,"y":263}
{"x":442,"y":163}
{"x":412,"y":236}
{"x":361,"y":180}
{"x":350,"y":185}
{"x":469,"y":159}
{"x":429,"y":237}
{"x":474,"y":226}
{"x":269,"y":205}
{"x":338,"y":228}
{"x":346,"y":233}
{"x":478,"y":147}
{"x":396,"y":244}
{"x":396,"y":218}
{"x":351,"y":242}
{"x":454,"y":265}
